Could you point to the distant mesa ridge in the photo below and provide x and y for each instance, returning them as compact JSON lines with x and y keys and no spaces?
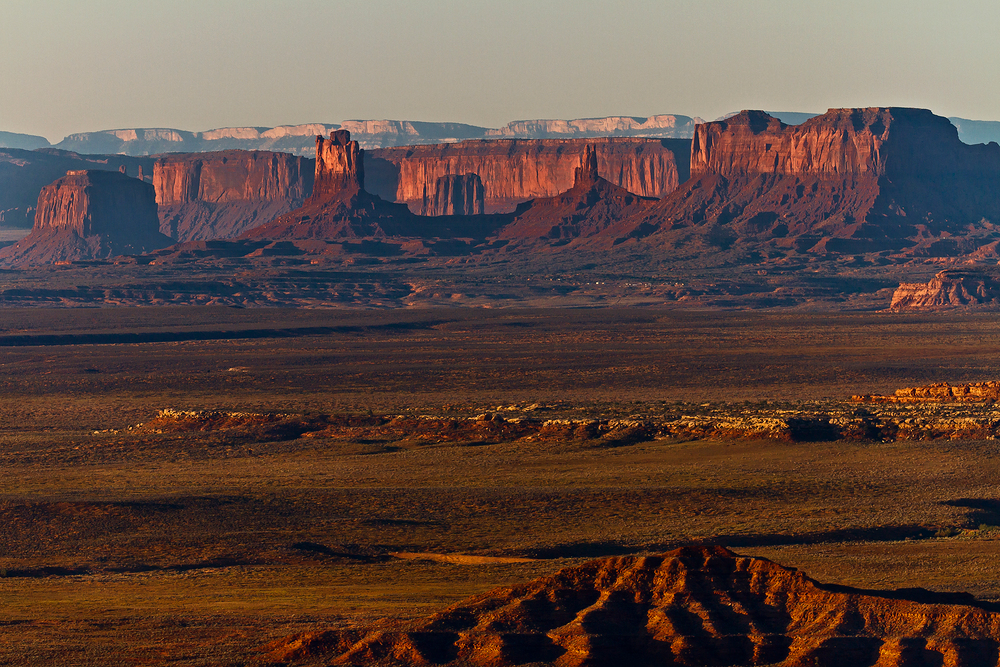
{"x":297,"y":139}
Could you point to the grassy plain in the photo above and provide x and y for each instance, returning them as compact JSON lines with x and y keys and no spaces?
{"x":134,"y":547}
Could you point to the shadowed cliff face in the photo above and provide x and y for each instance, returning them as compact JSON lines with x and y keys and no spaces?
{"x":221,"y":195}
{"x":850,"y":181}
{"x":514,"y":171}
{"x":693,"y":606}
{"x":90,"y":215}
{"x":455,"y":194}
{"x":24,"y":173}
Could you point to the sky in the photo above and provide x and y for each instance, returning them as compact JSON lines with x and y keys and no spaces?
{"x":71,"y":66}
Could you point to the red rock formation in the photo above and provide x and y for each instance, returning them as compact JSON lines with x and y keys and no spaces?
{"x":693,"y":606}
{"x":340,"y":208}
{"x":220,"y":195}
{"x":339,"y":166}
{"x":849,"y":181}
{"x":514,"y":171}
{"x":592,"y":207}
{"x":455,"y":194}
{"x":939,"y":392}
{"x":948,"y":289}
{"x":24,"y":173}
{"x":90,"y":215}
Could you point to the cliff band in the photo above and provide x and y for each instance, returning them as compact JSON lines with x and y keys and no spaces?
{"x":90,"y":214}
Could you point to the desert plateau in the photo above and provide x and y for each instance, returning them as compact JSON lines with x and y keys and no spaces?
{"x":490,"y":372}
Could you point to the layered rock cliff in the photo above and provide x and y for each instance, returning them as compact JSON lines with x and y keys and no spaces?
{"x":850,"y":181}
{"x":514,"y":171}
{"x":949,"y":289}
{"x":220,"y":195}
{"x":90,"y":214}
{"x":693,"y":606}
{"x":662,"y":126}
{"x":455,"y":194}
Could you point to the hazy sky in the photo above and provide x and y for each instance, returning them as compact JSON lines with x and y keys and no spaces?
{"x":72,"y":66}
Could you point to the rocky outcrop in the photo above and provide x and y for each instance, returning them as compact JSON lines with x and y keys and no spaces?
{"x":514,"y":171}
{"x":592,"y":207}
{"x":939,"y":392}
{"x":853,"y":181}
{"x":339,"y":207}
{"x":24,"y":173}
{"x":90,"y":214}
{"x":692,"y":606}
{"x":948,"y":289}
{"x":454,"y":194}
{"x":220,"y":195}
{"x":339,"y":166}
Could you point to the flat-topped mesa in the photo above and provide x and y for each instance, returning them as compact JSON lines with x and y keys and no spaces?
{"x":340,"y":166}
{"x":854,"y":181}
{"x":876,"y":142}
{"x":455,"y":194}
{"x":220,"y":195}
{"x":90,"y":214}
{"x":231,"y":176}
{"x":92,"y":202}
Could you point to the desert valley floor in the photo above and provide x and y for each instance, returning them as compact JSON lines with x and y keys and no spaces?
{"x":188,"y":486}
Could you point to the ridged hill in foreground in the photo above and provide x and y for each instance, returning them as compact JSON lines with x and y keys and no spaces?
{"x":693,"y":606}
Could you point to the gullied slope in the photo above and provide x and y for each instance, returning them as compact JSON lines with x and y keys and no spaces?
{"x":693,"y":606}
{"x":90,"y":215}
{"x":220,"y":195}
{"x":888,"y":180}
{"x":591,"y":208}
{"x":514,"y":171}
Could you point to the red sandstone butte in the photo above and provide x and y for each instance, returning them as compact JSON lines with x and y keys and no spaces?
{"x":220,"y":195}
{"x":90,"y":214}
{"x":339,"y":207}
{"x":516,"y":170}
{"x":849,"y":181}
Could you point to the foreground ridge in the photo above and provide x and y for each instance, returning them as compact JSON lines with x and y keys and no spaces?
{"x":692,"y":606}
